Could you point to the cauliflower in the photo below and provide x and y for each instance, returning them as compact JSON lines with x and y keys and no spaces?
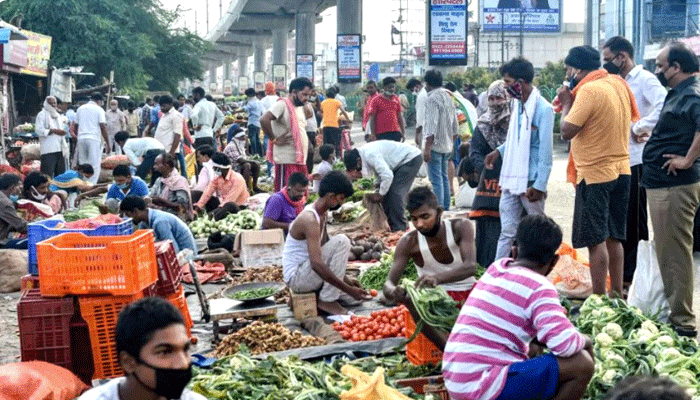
{"x":664,"y":341}
{"x":609,"y":377}
{"x":669,"y":353}
{"x":607,"y":312}
{"x":613,"y":330}
{"x":595,"y":313}
{"x":685,"y":378}
{"x":614,"y":360}
{"x":650,"y":326}
{"x":644,"y":335}
{"x":595,"y":300}
{"x":604,"y":340}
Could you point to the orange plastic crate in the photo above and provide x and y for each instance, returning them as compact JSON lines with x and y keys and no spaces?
{"x":100,"y":313}
{"x":421,"y":350}
{"x":76,"y":264}
{"x":179,"y":300}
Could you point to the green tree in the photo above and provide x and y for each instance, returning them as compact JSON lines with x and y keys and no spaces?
{"x":550,"y":78}
{"x":479,"y":77}
{"x":136,"y":39}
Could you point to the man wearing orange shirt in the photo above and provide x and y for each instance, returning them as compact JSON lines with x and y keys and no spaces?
{"x":331,"y":124}
{"x":229,"y":186}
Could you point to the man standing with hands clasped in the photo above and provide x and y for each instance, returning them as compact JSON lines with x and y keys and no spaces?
{"x":529,"y":143}
{"x":671,"y":176}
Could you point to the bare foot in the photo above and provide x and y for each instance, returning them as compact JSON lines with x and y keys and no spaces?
{"x":332,"y":308}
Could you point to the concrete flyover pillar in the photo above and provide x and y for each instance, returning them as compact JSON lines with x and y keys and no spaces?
{"x":227,"y":68}
{"x":243,"y":65}
{"x":279,"y":46}
{"x":259,"y":56}
{"x":305,"y":22}
{"x":349,"y":14}
{"x":212,"y":77}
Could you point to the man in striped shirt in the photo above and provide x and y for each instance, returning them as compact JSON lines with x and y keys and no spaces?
{"x":511,"y":306}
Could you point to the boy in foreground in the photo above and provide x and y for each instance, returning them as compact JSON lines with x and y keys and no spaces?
{"x":512,"y":305}
{"x":154,"y":351}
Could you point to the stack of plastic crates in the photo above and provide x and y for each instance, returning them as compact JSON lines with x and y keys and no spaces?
{"x":169,"y":285}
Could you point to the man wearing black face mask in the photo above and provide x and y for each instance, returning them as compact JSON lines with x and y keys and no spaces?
{"x":443,"y":251}
{"x":284,"y":124}
{"x":154,"y":351}
{"x":671,"y":176}
{"x":618,"y":58}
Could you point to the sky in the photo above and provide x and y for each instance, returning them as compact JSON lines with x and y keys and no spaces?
{"x":376,"y":21}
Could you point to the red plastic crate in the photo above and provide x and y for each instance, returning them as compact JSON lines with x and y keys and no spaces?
{"x":179,"y":300}
{"x":44,"y":328}
{"x":100,"y":313}
{"x":29,"y":282}
{"x":169,"y":269}
{"x":421,"y":350}
{"x":73,"y":263}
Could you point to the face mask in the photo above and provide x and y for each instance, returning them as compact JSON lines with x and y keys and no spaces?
{"x":312,"y":99}
{"x":123,"y":186}
{"x":573,"y":82}
{"x":335,"y":207}
{"x":388,"y":93}
{"x":515,"y":90}
{"x":612,"y":68}
{"x":13,"y":198}
{"x":170,"y":383}
{"x":297,"y":103}
{"x":37,"y":195}
{"x":435,"y":229}
{"x":662,"y":77}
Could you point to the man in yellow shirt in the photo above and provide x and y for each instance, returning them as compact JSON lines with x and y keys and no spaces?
{"x":331,"y":125}
{"x":596,"y":117}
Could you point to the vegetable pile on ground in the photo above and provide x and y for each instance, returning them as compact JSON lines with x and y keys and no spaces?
{"x":254,"y":293}
{"x":264,"y":274}
{"x":91,"y":223}
{"x":379,"y":325}
{"x":390,"y":239}
{"x":366,"y":250}
{"x":240,"y":377}
{"x":375,"y":277}
{"x":86,"y":210}
{"x":348,"y":212}
{"x":260,"y":337}
{"x":233,"y":223}
{"x":435,"y":307}
{"x":629,"y":343}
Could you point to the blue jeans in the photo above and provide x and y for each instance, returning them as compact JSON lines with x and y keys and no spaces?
{"x":437,"y":173}
{"x":254,"y":135}
{"x":269,"y":164}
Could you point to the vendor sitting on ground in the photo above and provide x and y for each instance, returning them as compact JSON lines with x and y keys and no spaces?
{"x":165,"y":226}
{"x":284,"y":206}
{"x":443,"y":251}
{"x":236,"y":153}
{"x":206,"y":176}
{"x":511,"y":306}
{"x":154,"y":351}
{"x":313,"y":262}
{"x":36,"y":189}
{"x":171,"y":192}
{"x":228,"y":185}
{"x":73,"y":182}
{"x":142,"y":152}
{"x":327,"y":153}
{"x":10,"y":221}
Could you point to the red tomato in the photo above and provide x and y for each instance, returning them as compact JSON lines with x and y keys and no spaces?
{"x":363,"y":336}
{"x":373,"y":293}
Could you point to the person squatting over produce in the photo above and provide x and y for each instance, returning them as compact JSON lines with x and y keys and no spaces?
{"x":512,"y":307}
{"x":10,"y":221}
{"x":165,"y":225}
{"x":229,"y":185}
{"x":313,"y":262}
{"x":171,"y":192}
{"x":396,"y":166}
{"x":142,"y":152}
{"x":154,"y":351}
{"x":443,"y":251}
{"x":124,"y":185}
{"x":71,"y":182}
{"x":36,"y":189}
{"x":206,"y":176}
{"x":284,"y":206}
{"x":327,"y":153}
{"x":237,"y":154}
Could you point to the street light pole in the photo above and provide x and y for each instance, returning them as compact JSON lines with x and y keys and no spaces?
{"x":521,"y":31}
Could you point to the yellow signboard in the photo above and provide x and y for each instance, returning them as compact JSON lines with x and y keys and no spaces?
{"x":38,"y":54}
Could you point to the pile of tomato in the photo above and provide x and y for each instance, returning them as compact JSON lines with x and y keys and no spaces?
{"x":379,"y":325}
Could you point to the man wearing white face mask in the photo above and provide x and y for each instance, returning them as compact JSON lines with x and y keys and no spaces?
{"x":51,"y":133}
{"x":116,"y":122}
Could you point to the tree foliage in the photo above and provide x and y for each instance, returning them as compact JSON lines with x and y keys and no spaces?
{"x":136,"y":39}
{"x":477,"y":76}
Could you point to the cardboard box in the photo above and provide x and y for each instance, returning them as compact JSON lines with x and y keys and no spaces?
{"x":260,"y":248}
{"x":304,"y":305}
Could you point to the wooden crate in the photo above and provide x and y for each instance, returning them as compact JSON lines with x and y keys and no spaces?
{"x":304,"y":305}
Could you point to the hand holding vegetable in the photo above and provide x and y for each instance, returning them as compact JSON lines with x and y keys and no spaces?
{"x":358,"y":293}
{"x":399,"y":295}
{"x":426,"y":281}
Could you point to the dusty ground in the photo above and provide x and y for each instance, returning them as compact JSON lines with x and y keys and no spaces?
{"x":560,"y":205}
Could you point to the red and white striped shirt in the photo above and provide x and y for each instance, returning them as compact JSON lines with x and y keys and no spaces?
{"x":508,"y":307}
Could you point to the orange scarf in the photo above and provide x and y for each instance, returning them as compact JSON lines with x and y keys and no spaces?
{"x":571,"y":173}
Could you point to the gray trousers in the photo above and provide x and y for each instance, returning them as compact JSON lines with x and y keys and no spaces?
{"x":53,"y":164}
{"x":394,"y":201}
{"x":335,"y":255}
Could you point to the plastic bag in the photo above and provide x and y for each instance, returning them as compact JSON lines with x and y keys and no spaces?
{"x":571,"y":275}
{"x":38,"y":380}
{"x":465,"y":196}
{"x":647,"y":289}
{"x":366,"y":387}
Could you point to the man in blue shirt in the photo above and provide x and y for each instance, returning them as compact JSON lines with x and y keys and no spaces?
{"x":529,"y":142}
{"x":165,"y":226}
{"x":255,"y":110}
{"x":124,"y":185}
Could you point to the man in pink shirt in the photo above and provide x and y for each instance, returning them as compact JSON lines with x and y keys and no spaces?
{"x":512,"y":307}
{"x":229,"y":186}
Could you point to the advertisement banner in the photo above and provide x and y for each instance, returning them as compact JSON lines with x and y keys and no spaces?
{"x":38,"y":54}
{"x":243,"y":83}
{"x":305,"y":66}
{"x":259,"y":81}
{"x":448,"y":32}
{"x":668,"y":18}
{"x":279,"y":76}
{"x":349,"y":59}
{"x":213,"y":88}
{"x":228,"y":87}
{"x":61,"y":86}
{"x":528,"y":15}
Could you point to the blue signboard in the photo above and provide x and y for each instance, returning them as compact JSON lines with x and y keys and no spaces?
{"x":448,"y":32}
{"x":525,"y":15}
{"x":349,"y":58}
{"x":668,"y":18}
{"x":5,"y":35}
{"x":305,"y":66}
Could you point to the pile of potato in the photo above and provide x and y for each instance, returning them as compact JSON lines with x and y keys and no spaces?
{"x":262,"y":337}
{"x":366,"y":250}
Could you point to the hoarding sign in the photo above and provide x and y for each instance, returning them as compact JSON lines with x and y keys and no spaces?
{"x":349,"y":59}
{"x":259,"y":81}
{"x":528,"y":15}
{"x":228,"y":87}
{"x":668,"y":18}
{"x":243,"y":83}
{"x":305,"y":66}
{"x":448,"y":32}
{"x":38,"y":54}
{"x":279,"y":76}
